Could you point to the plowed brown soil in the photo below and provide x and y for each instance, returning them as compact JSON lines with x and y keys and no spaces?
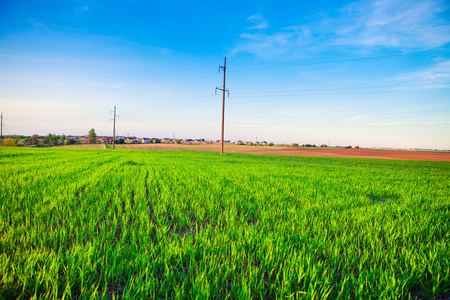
{"x":277,"y":150}
{"x":365,"y":153}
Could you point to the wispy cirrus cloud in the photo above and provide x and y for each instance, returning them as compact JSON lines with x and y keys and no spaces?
{"x":395,"y":24}
{"x":436,"y":74}
{"x":37,"y":25}
{"x":259,"y":22}
{"x":391,"y":24}
{"x":267,"y":45}
{"x":83,"y":6}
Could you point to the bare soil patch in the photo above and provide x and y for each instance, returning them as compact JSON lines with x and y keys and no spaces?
{"x":327,"y":152}
{"x":87,"y":146}
{"x":364,"y":153}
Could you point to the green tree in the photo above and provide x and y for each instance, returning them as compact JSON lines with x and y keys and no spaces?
{"x":34,"y":139}
{"x":46,"y":139}
{"x":63,"y":138}
{"x":92,"y":136}
{"x":27,"y":140}
{"x":12,"y":141}
{"x":54,"y":139}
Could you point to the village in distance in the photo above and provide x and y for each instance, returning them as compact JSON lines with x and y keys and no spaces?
{"x":51,"y":140}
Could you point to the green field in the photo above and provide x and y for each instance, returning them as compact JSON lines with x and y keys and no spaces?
{"x":98,"y":223}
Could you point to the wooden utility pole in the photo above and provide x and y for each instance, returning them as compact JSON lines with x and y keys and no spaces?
{"x":1,"y":130}
{"x":224,"y":69}
{"x":114,"y":128}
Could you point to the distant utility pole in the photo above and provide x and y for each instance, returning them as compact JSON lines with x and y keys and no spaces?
{"x":224,"y":69}
{"x":1,"y":130}
{"x":114,"y":128}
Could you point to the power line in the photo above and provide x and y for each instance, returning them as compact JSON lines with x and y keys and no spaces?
{"x":326,"y":115}
{"x":172,"y":105}
{"x":182,"y":82}
{"x":287,"y":66}
{"x":341,"y":88}
{"x":359,"y":124}
{"x":181,"y":101}
{"x":176,"y":84}
{"x":172,"y":85}
{"x":321,"y":95}
{"x":340,"y":61}
{"x":296,"y":65}
{"x":343,"y":114}
{"x":188,"y":102}
{"x":275,"y":67}
{"x":176,"y":72}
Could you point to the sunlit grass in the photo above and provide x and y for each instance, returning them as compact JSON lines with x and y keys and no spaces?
{"x":96,"y":223}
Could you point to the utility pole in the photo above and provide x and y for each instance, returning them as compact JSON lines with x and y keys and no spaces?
{"x":224,"y":68}
{"x":114,"y":128}
{"x":1,"y":130}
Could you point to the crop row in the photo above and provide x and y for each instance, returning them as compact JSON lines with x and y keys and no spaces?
{"x":148,"y":224}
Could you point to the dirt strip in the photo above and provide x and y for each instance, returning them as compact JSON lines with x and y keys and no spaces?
{"x":362,"y":153}
{"x":328,"y":152}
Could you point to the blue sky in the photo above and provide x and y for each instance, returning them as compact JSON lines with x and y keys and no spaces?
{"x":367,"y":73}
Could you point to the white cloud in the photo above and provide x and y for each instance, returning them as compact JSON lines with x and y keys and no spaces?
{"x":395,"y":23}
{"x":38,"y":25}
{"x":269,"y":45}
{"x":83,"y":6}
{"x":435,"y":75}
{"x":259,"y":22}
{"x":391,"y":24}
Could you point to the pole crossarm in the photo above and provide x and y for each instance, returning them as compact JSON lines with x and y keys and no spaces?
{"x":226,"y":91}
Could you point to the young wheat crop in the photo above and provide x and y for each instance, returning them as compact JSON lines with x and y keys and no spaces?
{"x":95,"y":223}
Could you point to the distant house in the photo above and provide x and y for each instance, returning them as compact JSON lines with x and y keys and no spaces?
{"x":145,"y":141}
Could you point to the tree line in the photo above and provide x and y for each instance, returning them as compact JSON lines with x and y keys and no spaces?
{"x":47,"y":140}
